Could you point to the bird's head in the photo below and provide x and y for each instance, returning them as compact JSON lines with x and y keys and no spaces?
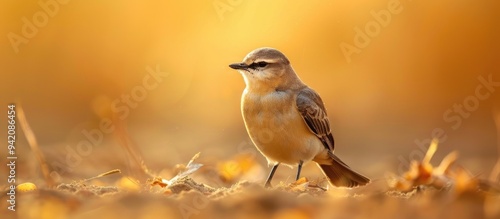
{"x":265,"y":66}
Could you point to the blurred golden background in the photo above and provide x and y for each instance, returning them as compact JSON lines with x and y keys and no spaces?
{"x":83,"y":56}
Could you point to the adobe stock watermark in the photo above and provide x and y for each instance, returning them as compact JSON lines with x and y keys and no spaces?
{"x":223,"y":6}
{"x":454,"y":116}
{"x":31,"y":26}
{"x":363,"y":37}
{"x":121,"y":106}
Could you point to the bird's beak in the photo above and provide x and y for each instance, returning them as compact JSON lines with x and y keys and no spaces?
{"x":239,"y":66}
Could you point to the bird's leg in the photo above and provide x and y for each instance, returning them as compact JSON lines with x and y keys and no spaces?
{"x":299,"y":169}
{"x":271,"y":174}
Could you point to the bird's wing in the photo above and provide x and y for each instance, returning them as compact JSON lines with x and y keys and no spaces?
{"x":313,"y":112}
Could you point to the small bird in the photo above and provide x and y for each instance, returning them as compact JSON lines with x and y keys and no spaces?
{"x":286,"y":120}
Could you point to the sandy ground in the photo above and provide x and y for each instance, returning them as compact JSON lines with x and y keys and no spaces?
{"x":446,"y":190}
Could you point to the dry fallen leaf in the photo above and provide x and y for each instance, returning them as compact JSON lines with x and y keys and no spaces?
{"x":422,"y":173}
{"x":230,"y":171}
{"x":190,"y":168}
{"x":300,"y":185}
{"x":26,"y":187}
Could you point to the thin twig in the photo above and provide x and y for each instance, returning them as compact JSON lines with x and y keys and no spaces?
{"x":123,"y":137}
{"x":103,"y":174}
{"x":30,"y":137}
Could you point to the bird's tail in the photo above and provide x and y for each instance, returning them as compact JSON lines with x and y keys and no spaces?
{"x":341,"y":175}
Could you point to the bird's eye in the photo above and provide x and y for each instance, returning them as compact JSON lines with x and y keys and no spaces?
{"x":262,"y":64}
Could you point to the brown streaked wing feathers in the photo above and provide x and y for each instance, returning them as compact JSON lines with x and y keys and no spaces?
{"x":313,"y":112}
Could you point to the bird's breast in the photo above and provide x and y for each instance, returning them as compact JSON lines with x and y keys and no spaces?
{"x":277,"y":128}
{"x":261,"y":107}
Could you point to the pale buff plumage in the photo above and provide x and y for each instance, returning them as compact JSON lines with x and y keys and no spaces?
{"x":287,"y":120}
{"x":268,"y":120}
